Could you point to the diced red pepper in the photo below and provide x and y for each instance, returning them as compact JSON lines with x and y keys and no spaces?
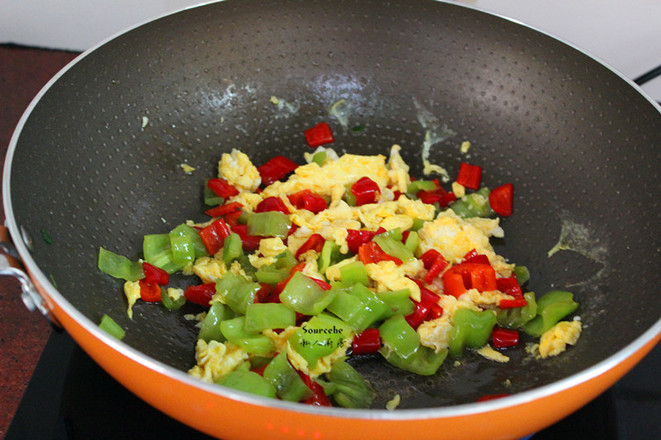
{"x":439,"y":196}
{"x":155,"y":275}
{"x":316,"y":242}
{"x":275,"y":169}
{"x":366,"y":191}
{"x":504,"y":338}
{"x":272,"y":204}
{"x":249,"y":242}
{"x":500,"y":199}
{"x":356,"y":238}
{"x":418,"y":316}
{"x":267,"y":294}
{"x":369,"y":341}
{"x":512,"y":303}
{"x":430,"y":257}
{"x":434,"y":263}
{"x":222,"y":188}
{"x":319,"y":397}
{"x":469,"y":175}
{"x":200,"y":294}
{"x":510,"y":286}
{"x":370,"y":252}
{"x":214,"y":235}
{"x":473,"y":257}
{"x":223,"y":210}
{"x":149,"y":292}
{"x":464,"y":276}
{"x":492,"y":397}
{"x":320,"y":134}
{"x":281,"y":285}
{"x":306,"y":199}
{"x":321,"y":283}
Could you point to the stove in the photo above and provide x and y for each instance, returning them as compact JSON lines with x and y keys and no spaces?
{"x":69,"y":397}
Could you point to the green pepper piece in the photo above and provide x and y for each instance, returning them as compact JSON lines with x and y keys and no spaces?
{"x":232,"y":248}
{"x":157,"y":251}
{"x":234,"y":331}
{"x":348,"y":196}
{"x":319,"y":337}
{"x":249,"y":382}
{"x":269,"y":224}
{"x":412,"y":242}
{"x":474,"y":205}
{"x":171,"y":303}
{"x":522,"y":274}
{"x":551,"y":308}
{"x":183,"y":230}
{"x":417,"y":224}
{"x":118,"y":266}
{"x":419,"y":185}
{"x":270,"y":275}
{"x":111,"y":327}
{"x":398,"y":301}
{"x":182,"y":250}
{"x":399,"y":336}
{"x":471,"y":329}
{"x":424,"y":361}
{"x":394,"y":248}
{"x":516,"y":317}
{"x":288,"y":384}
{"x":285,"y":260}
{"x":319,"y":158}
{"x":354,"y":272}
{"x":237,"y":291}
{"x":350,"y":389}
{"x":352,"y":311}
{"x":210,"y":197}
{"x":264,"y":316}
{"x":379,"y":308}
{"x":395,"y":233}
{"x":210,"y":328}
{"x":330,"y":254}
{"x":305,"y":296}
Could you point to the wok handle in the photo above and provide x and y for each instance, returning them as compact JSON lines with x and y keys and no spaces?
{"x":10,"y":265}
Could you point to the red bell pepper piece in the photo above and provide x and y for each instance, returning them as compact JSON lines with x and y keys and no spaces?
{"x":249,"y":242}
{"x":306,"y":199}
{"x":316,"y":242}
{"x":492,"y":397}
{"x":223,"y":210}
{"x":200,"y":294}
{"x":469,"y":175}
{"x":155,"y":275}
{"x":320,"y":134}
{"x":319,"y":397}
{"x":272,"y":204}
{"x":222,"y":188}
{"x":369,"y":341}
{"x":441,"y":197}
{"x":275,"y":169}
{"x":464,"y":276}
{"x":510,"y":286}
{"x":214,"y":235}
{"x":430,"y":257}
{"x":267,"y":294}
{"x":149,"y":292}
{"x":418,"y":316}
{"x":512,"y":303}
{"x":500,"y":199}
{"x":473,"y":257}
{"x":356,"y":238}
{"x":370,"y":252}
{"x":365,"y":190}
{"x":434,"y":263}
{"x":504,"y":338}
{"x":281,"y":285}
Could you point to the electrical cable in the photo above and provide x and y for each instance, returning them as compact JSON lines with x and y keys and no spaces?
{"x":648,"y":76}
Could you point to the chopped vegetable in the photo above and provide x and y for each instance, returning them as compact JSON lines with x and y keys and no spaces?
{"x":318,"y":135}
{"x":109,"y":325}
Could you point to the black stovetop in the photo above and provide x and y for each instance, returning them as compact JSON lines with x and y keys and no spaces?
{"x":70,"y":397}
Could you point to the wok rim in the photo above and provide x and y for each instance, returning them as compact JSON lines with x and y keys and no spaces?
{"x":405,"y":414}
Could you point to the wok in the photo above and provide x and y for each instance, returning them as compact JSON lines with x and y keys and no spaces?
{"x":95,"y":162}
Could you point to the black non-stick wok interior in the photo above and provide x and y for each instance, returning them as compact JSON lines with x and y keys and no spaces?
{"x":97,"y":163}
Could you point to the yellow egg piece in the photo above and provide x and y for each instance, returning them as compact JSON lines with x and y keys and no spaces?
{"x":216,"y":359}
{"x":239,"y":171}
{"x":555,"y":340}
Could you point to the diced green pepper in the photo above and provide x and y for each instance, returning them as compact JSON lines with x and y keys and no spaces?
{"x":319,"y":158}
{"x":522,"y":274}
{"x":319,"y":337}
{"x":171,"y":303}
{"x":474,"y":205}
{"x":471,"y":328}
{"x":193,"y":236}
{"x":412,"y":241}
{"x":380,"y":310}
{"x":111,"y":327}
{"x":350,"y":389}
{"x":330,"y":254}
{"x":423,"y":361}
{"x":394,"y":248}
{"x":516,"y":317}
{"x":270,"y":275}
{"x":398,"y":301}
{"x":354,"y":272}
{"x":348,"y":196}
{"x":305,"y":296}
{"x":352,"y":311}
{"x":551,"y":308}
{"x":237,"y":291}
{"x":417,"y":224}
{"x":395,"y":233}
{"x":249,"y":382}
{"x":234,"y":331}
{"x":210,"y":197}
{"x":210,"y":328}
{"x":264,"y":316}
{"x":288,"y":384}
{"x":269,"y":224}
{"x":397,"y":335}
{"x":157,"y":250}
{"x":232,"y":248}
{"x":420,"y":185}
{"x":118,"y":266}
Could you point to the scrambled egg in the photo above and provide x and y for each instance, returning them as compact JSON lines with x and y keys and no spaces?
{"x":216,"y":359}
{"x":239,"y":171}
{"x":324,"y":363}
{"x":489,"y":353}
{"x":132,"y":292}
{"x":390,"y":276}
{"x":555,"y":340}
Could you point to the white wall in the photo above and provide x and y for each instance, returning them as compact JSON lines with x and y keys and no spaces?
{"x":623,"y":33}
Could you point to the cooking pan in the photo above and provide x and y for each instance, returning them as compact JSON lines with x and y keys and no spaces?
{"x":95,"y":162}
